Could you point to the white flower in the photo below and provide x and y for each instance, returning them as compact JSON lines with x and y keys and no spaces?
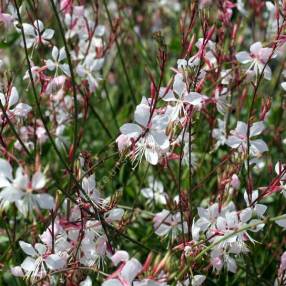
{"x":37,"y":34}
{"x":180,"y":97}
{"x":150,"y":136}
{"x":166,"y":223}
{"x":257,"y":59}
{"x":280,"y":170}
{"x":21,"y":190}
{"x":238,"y":139}
{"x":155,"y":191}
{"x":58,"y":56}
{"x":282,"y":222}
{"x":257,"y":209}
{"x":198,"y":280}
{"x":126,"y":275}
{"x":38,"y":261}
{"x":89,"y":69}
{"x":12,"y":106}
{"x":219,"y":133}
{"x":86,"y":282}
{"x":219,"y":259}
{"x":89,"y":187}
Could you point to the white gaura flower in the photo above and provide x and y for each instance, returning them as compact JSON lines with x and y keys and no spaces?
{"x":23,"y":191}
{"x":258,"y":59}
{"x":166,"y":223}
{"x":89,"y":69}
{"x":219,"y":133}
{"x":12,"y":106}
{"x":155,"y":191}
{"x":257,"y":209}
{"x":206,"y":49}
{"x":38,"y":262}
{"x":221,"y":100}
{"x":56,"y":63}
{"x":219,"y":259}
{"x":89,"y":187}
{"x":180,"y":97}
{"x":147,"y":135}
{"x":238,"y":139}
{"x":280,"y":170}
{"x":36,"y":34}
{"x":126,"y":274}
{"x":198,"y":280}
{"x":86,"y":282}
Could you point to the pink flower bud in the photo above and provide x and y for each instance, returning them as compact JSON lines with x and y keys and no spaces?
{"x":283,"y":261}
{"x":235,"y":182}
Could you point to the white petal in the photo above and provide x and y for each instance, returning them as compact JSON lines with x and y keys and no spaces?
{"x":48,"y":34}
{"x":161,"y":140}
{"x":41,"y":248}
{"x":66,"y":69}
{"x":198,"y":280}
{"x":233,"y":141}
{"x":258,"y":146}
{"x":38,"y":181}
{"x":14,"y":97}
{"x":99,"y":31}
{"x":27,"y":248}
{"x":5,"y":169}
{"x":39,"y":25}
{"x":147,"y":193}
{"x":131,"y":269}
{"x":10,"y":194}
{"x":28,"y":264}
{"x":142,"y":114}
{"x":131,"y":129}
{"x":55,"y":53}
{"x":45,"y":201}
{"x":54,"y":261}
{"x":283,"y":85}
{"x":231,"y":265}
{"x":114,"y":214}
{"x":112,"y":282}
{"x":119,"y":256}
{"x":28,"y":30}
{"x":194,"y":98}
{"x":151,"y":156}
{"x":17,"y":271}
{"x":182,"y":63}
{"x":260,"y":209}
{"x":2,"y":99}
{"x":243,"y":57}
{"x":241,"y":128}
{"x":50,"y":65}
{"x":169,"y":96}
{"x":255,"y":48}
{"x":256,"y":128}
{"x":62,"y":54}
{"x":179,"y":86}
{"x":281,"y":222}
{"x":163,"y":229}
{"x":246,"y":215}
{"x":22,"y":109}
{"x":86,"y":282}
